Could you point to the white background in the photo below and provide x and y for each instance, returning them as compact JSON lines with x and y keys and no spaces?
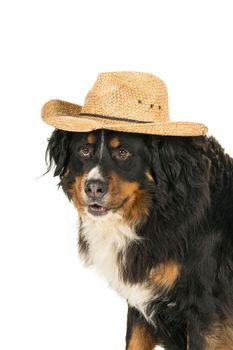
{"x":55,"y":49}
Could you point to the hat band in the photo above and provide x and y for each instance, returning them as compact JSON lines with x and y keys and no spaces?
{"x":114,"y":118}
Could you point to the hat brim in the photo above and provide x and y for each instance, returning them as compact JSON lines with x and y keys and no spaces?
{"x":66,"y":116}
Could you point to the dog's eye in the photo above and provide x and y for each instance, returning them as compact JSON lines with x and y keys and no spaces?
{"x":85,"y":152}
{"x":123,"y":153}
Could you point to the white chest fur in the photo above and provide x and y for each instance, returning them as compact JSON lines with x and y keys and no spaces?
{"x":106,"y":237}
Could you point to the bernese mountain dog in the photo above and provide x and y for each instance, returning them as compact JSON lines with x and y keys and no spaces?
{"x":156,"y":220}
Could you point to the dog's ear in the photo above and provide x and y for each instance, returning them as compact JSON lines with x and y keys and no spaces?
{"x":164,"y":166}
{"x":180,"y":163}
{"x":57,"y":152}
{"x":171,"y":157}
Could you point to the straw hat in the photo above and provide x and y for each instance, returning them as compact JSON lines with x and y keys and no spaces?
{"x":121,"y":101}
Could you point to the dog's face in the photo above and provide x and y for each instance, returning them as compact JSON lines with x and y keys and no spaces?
{"x":108,"y":172}
{"x":105,"y":172}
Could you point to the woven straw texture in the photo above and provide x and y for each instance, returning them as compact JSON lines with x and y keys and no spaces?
{"x":122,"y":101}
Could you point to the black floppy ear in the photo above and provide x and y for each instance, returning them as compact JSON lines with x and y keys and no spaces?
{"x":165,"y":165}
{"x":179,"y":162}
{"x":172,"y":157}
{"x":57,"y":151}
{"x":153,"y":143}
{"x":183,"y":159}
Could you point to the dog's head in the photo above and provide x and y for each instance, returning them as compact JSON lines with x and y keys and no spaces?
{"x":105,"y":172}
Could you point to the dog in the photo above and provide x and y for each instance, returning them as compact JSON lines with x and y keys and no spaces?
{"x":156,"y":220}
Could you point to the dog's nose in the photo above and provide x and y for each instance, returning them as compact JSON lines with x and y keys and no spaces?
{"x":96,"y":189}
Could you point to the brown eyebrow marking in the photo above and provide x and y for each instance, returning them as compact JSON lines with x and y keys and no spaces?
{"x":91,"y":139}
{"x":115,"y":142}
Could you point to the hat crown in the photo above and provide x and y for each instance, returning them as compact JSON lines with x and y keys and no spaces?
{"x":132,"y":95}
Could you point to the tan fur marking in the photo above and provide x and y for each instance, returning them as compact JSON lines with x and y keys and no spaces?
{"x":134,"y":210}
{"x":149,"y":176}
{"x":91,"y":139}
{"x":136,"y":207}
{"x":165,"y":274}
{"x":220,"y":336}
{"x":141,"y":339}
{"x":115,"y":142}
{"x":75,"y":193}
{"x":66,"y":173}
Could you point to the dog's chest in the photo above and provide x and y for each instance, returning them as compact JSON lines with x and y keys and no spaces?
{"x":105,"y":239}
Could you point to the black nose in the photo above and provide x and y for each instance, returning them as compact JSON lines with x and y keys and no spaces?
{"x":96,"y":189}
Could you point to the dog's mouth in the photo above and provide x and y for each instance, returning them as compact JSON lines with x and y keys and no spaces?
{"x":97,"y":210}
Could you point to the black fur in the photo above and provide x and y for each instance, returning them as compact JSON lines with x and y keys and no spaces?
{"x":190,"y":222}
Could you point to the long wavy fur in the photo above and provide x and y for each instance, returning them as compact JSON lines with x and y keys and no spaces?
{"x":190,"y":222}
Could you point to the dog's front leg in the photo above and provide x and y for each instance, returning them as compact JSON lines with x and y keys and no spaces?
{"x":139,"y":335}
